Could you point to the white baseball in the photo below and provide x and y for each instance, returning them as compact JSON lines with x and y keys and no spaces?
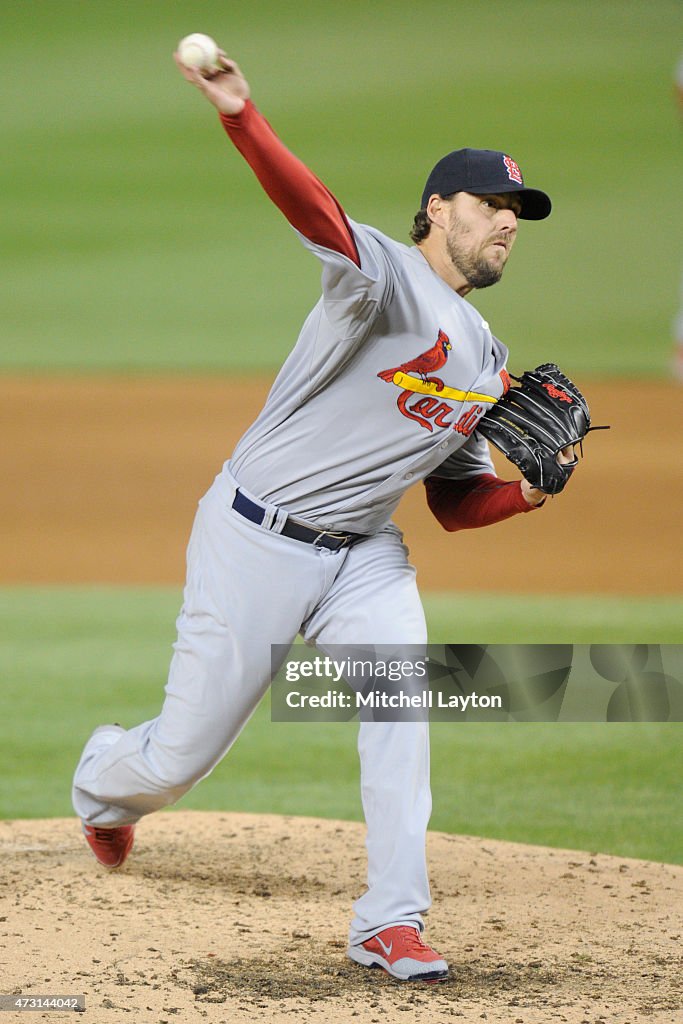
{"x":199,"y":51}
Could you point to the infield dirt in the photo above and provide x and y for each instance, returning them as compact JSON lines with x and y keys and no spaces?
{"x":102,"y":476}
{"x":236,"y":917}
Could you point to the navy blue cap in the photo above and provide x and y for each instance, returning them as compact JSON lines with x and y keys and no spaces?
{"x":484,"y":172}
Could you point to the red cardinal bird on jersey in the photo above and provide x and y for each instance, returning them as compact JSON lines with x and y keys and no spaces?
{"x":433,"y":359}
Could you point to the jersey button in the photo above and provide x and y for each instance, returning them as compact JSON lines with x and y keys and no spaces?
{"x":444,"y":444}
{"x":408,"y":476}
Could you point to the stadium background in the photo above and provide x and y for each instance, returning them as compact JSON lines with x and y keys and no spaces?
{"x":150,"y":291}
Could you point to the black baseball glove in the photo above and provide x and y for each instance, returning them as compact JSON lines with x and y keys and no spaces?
{"x":531,"y":423}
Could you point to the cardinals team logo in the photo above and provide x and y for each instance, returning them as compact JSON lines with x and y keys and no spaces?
{"x":514,"y":173}
{"x":418,"y":377}
{"x":430,"y":361}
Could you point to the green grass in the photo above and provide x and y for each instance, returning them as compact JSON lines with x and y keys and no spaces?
{"x":133,"y":238}
{"x":580,"y":619}
{"x":71,"y":659}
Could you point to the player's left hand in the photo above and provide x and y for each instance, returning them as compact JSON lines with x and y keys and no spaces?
{"x":531,"y":493}
{"x":538,"y":425}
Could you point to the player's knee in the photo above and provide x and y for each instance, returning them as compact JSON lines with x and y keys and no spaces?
{"x":178,"y":770}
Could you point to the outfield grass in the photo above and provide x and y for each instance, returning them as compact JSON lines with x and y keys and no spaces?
{"x":71,"y":659}
{"x":133,"y":238}
{"x":579,"y":619}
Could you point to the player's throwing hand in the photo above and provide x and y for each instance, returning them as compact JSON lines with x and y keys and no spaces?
{"x":227,"y":88}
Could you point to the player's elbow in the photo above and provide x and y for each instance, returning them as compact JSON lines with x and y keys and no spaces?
{"x":447,"y":521}
{"x":440,"y":507}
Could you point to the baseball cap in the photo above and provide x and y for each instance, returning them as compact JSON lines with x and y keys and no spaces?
{"x":483,"y":172}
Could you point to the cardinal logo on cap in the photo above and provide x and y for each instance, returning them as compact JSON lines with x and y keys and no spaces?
{"x":514,"y":173}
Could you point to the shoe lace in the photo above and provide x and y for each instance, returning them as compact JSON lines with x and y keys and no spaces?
{"x":413,"y":940}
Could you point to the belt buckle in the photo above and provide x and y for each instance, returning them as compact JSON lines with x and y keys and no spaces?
{"x":343,"y":537}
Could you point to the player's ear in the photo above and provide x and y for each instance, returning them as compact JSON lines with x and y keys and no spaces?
{"x":436,"y":210}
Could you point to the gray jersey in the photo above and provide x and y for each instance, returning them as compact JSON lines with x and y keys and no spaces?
{"x":389,"y":376}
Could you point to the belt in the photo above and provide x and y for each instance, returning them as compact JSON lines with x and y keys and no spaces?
{"x":297,"y":531}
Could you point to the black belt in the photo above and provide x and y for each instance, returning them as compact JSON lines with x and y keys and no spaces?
{"x":308,"y":534}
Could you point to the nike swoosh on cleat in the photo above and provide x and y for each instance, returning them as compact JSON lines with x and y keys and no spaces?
{"x":387,"y":949}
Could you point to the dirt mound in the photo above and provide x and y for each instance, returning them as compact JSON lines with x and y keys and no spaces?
{"x":236,"y":917}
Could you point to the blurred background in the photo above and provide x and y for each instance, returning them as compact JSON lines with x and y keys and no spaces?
{"x":150,"y":292}
{"x":133,"y":238}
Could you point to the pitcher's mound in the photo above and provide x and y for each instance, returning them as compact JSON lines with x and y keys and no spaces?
{"x":238,"y":917}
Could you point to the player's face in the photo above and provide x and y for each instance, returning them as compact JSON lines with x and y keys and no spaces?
{"x":480,"y":235}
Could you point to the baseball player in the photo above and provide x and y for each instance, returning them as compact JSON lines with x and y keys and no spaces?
{"x":384,"y":388}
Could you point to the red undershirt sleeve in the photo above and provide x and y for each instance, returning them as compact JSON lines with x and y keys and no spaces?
{"x":478,"y":501}
{"x":306,"y":203}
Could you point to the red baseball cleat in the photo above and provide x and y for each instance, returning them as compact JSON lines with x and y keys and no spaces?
{"x":402,"y":953}
{"x":111,"y":846}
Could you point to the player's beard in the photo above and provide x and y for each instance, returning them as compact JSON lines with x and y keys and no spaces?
{"x":474,"y":267}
